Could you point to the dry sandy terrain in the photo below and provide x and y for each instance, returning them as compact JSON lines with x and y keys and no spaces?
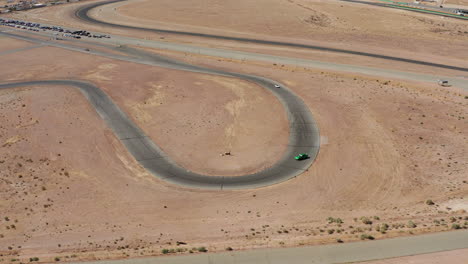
{"x":70,"y":190}
{"x":356,"y":27}
{"x":452,"y":257}
{"x":12,"y":44}
{"x":350,"y":25}
{"x":165,"y":105}
{"x":457,"y":2}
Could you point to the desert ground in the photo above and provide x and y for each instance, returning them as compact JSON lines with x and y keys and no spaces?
{"x":458,"y":2}
{"x":384,"y":31}
{"x":392,"y":162}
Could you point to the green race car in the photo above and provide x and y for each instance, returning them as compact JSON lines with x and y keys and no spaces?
{"x":302,"y":156}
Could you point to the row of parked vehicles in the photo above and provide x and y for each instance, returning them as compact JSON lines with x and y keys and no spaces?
{"x":38,"y":27}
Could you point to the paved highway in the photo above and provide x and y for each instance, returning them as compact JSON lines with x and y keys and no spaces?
{"x":303,"y":131}
{"x":337,"y":253}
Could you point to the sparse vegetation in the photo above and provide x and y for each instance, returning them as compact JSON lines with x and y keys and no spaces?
{"x":382,"y":228}
{"x":366,"y":236}
{"x":202,"y":249}
{"x":411,"y":224}
{"x":430,"y":202}
{"x":334,"y":220}
{"x":366,"y":220}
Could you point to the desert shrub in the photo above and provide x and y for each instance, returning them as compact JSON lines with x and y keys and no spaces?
{"x":382,"y":228}
{"x":429,"y":202}
{"x":202,"y":249}
{"x":411,"y":224}
{"x":366,"y":236}
{"x":57,"y":259}
{"x":339,"y":240}
{"x":229,"y":249}
{"x":456,"y":226}
{"x":366,"y":220}
{"x":165,"y":251}
{"x":334,"y":220}
{"x":331,"y":231}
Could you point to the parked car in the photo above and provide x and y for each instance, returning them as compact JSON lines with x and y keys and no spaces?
{"x":444,"y":83}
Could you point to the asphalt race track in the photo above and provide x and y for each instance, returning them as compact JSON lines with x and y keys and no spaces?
{"x":304,"y":137}
{"x":82,"y":13}
{"x":303,"y":132}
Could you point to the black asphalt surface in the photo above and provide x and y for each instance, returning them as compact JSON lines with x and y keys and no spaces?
{"x":82,"y":13}
{"x":303,"y":136}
